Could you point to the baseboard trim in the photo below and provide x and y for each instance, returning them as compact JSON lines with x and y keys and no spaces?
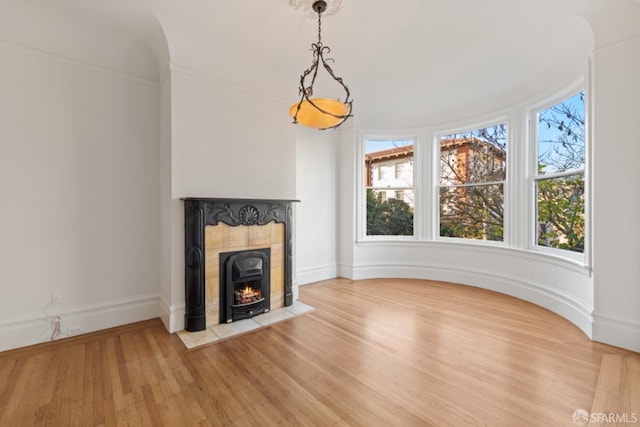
{"x":616,"y":331}
{"x":562,"y":304}
{"x":75,"y":321}
{"x":305,"y":276}
{"x":173,"y":317}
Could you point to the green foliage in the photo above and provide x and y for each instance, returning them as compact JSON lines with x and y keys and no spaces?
{"x":391,"y":217}
{"x":561,"y":213}
{"x":472,"y":212}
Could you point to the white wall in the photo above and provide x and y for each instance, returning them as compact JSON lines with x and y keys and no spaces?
{"x":315,"y":217}
{"x":346,"y":191}
{"x":165,"y":202}
{"x":561,"y":286}
{"x":78,"y":181}
{"x":616,"y":195}
{"x":225,"y":142}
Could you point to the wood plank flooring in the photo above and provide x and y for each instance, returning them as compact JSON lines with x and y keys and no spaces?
{"x":619,"y":388}
{"x":373,"y":353}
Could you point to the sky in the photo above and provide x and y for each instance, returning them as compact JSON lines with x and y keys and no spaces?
{"x":378,"y":145}
{"x":550,"y":134}
{"x":544,"y":133}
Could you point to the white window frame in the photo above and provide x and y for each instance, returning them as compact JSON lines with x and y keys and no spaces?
{"x":463,"y":128}
{"x":534,"y":177}
{"x":361,"y":189}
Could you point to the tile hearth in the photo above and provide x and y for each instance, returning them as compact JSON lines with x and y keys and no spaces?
{"x":223,"y":331}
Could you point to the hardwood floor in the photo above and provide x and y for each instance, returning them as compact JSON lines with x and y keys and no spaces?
{"x":373,"y":353}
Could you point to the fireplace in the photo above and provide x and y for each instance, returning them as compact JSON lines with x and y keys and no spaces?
{"x":216,"y":226}
{"x":244,"y":284}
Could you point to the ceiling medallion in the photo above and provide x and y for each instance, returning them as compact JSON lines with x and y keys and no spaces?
{"x":333,"y":6}
{"x":320,"y":113}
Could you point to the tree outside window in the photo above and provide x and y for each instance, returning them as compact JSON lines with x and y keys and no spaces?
{"x":559,"y":181}
{"x":472,"y":177}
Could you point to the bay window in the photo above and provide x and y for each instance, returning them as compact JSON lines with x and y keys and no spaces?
{"x":501,"y":183}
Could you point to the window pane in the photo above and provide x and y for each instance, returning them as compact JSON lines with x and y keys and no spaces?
{"x":392,"y":159}
{"x":561,"y":136}
{"x":560,"y":216}
{"x":390,"y":201}
{"x":474,"y":157}
{"x":472,"y":212}
{"x":389,"y":212}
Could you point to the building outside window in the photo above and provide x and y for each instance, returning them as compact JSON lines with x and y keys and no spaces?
{"x":471,"y":186}
{"x":390,"y":194}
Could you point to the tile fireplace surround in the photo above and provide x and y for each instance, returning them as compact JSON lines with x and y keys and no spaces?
{"x":214,"y":226}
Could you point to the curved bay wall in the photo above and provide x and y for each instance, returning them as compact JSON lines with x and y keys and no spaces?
{"x":558,"y":285}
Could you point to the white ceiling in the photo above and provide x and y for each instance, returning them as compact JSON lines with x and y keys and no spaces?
{"x":418,"y":60}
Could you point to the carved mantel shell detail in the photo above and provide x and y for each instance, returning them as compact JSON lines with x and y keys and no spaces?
{"x":248,"y":215}
{"x":245,"y":214}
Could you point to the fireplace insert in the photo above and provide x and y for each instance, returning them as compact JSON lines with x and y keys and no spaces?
{"x":244,"y":284}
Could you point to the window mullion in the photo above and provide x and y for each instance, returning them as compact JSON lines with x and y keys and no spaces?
{"x":473,"y":184}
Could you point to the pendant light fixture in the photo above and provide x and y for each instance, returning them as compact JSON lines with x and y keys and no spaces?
{"x":320,"y":113}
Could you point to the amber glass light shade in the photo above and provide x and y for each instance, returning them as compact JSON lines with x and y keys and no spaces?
{"x":312,"y":117}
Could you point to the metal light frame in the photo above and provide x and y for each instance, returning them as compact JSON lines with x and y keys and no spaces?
{"x":320,"y":113}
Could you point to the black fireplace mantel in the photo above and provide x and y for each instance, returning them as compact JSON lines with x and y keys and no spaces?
{"x":200,"y":212}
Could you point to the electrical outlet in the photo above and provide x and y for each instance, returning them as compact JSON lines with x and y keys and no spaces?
{"x":75,"y":330}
